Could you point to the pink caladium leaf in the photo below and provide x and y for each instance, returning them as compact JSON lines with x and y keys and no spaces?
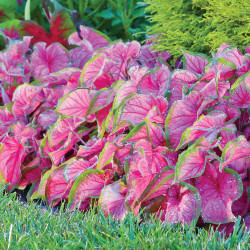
{"x":139,"y":177}
{"x":155,"y":157}
{"x":182,"y":115}
{"x":158,"y":186}
{"x":182,"y":76}
{"x":124,"y":52}
{"x":151,"y":58}
{"x":241,"y":206}
{"x":94,"y":68}
{"x":47,"y":118}
{"x":232,"y":113}
{"x":224,"y":69}
{"x":79,"y":57}
{"x":177,"y":93}
{"x":101,"y":99}
{"x":155,"y":83}
{"x":88,"y":185}
{"x":240,"y":166}
{"x":245,"y":67}
{"x":126,"y":89}
{"x":215,"y":89}
{"x":155,"y":134}
{"x":240,"y":92}
{"x":72,"y":82}
{"x":208,"y":126}
{"x":12,"y":59}
{"x":239,"y":148}
{"x":30,"y":174}
{"x":62,"y":128}
{"x":148,"y":175}
{"x":123,"y":153}
{"x":131,"y":204}
{"x":40,"y":192}
{"x":57,"y":187}
{"x":218,"y":190}
{"x":46,"y":148}
{"x":136,"y":73}
{"x":147,"y":130}
{"x":226,"y":136}
{"x":33,"y":163}
{"x":57,"y":155}
{"x":6,"y":119}
{"x":106,"y":155}
{"x":139,"y":132}
{"x":106,"y":80}
{"x":89,"y":38}
{"x":52,"y":97}
{"x":23,"y":133}
{"x":195,"y":63}
{"x":26,"y":99}
{"x":5,"y":115}
{"x":112,"y":200}
{"x":55,"y":137}
{"x":223,"y":47}
{"x":135,"y":108}
{"x":191,"y":163}
{"x":60,"y":78}
{"x":12,"y":153}
{"x":180,"y":79}
{"x":233,"y":55}
{"x":247,"y":49}
{"x":182,"y":204}
{"x":73,"y":168}
{"x":75,"y":103}
{"x":5,"y":97}
{"x":47,"y":60}
{"x":92,"y":149}
{"x":158,"y":112}
{"x":101,"y":117}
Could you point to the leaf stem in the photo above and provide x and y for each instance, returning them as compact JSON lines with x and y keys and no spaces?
{"x":70,"y":4}
{"x":83,"y":4}
{"x":27,"y":10}
{"x":81,"y":140}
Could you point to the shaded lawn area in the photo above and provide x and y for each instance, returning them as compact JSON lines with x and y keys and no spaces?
{"x":28,"y":226}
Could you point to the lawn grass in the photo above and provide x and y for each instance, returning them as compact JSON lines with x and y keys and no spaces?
{"x":26,"y":226}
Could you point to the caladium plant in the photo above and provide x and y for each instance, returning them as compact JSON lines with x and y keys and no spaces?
{"x":61,"y":26}
{"x":114,"y":125}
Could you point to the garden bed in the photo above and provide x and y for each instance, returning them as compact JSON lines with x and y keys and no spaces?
{"x":92,"y":123}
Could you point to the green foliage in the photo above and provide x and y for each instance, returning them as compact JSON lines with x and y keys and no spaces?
{"x":118,"y":19}
{"x":31,"y":226}
{"x":7,"y":7}
{"x":199,"y":25}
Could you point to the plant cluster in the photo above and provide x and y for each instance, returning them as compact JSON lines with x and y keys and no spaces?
{"x":199,"y":25}
{"x":116,"y":18}
{"x":112,"y":124}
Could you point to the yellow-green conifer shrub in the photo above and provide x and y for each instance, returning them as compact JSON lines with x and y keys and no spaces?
{"x":199,"y":25}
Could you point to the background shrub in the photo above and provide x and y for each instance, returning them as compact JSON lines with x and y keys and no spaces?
{"x":118,"y":19}
{"x":199,"y":25}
